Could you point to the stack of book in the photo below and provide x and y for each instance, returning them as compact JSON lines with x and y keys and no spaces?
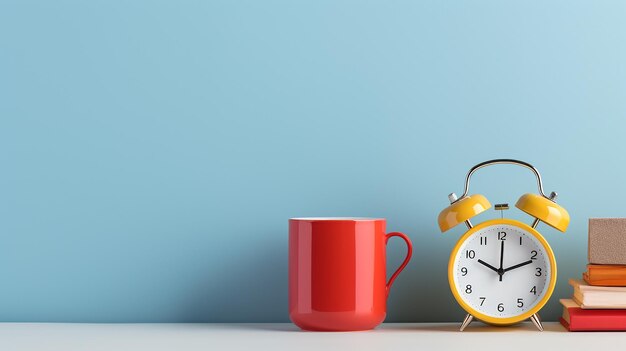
{"x":599,"y":300}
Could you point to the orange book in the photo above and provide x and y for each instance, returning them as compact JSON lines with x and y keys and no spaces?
{"x":605,"y":275}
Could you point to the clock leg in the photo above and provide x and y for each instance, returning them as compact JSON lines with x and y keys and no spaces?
{"x":468,"y":319}
{"x":537,"y":321}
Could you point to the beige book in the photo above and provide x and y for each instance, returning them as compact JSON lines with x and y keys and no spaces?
{"x":598,"y":297}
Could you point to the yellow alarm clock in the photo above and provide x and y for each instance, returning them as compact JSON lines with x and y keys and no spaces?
{"x":502,"y":271}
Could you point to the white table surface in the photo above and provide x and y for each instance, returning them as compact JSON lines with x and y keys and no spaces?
{"x":180,"y":337}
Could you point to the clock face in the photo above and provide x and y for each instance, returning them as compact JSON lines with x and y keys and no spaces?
{"x":502,"y":271}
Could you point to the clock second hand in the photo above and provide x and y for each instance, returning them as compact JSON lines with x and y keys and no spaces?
{"x":501,"y":270}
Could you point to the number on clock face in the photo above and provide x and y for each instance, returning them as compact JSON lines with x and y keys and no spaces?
{"x":502,"y":271}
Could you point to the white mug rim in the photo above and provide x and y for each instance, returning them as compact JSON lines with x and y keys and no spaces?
{"x":329,"y":219}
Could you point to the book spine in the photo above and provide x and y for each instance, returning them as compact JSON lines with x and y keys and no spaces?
{"x":596,"y":322}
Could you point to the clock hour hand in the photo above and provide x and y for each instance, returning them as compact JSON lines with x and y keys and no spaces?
{"x":488,"y":265}
{"x":518,"y":265}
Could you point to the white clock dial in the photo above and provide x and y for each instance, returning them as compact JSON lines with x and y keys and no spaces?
{"x":502,"y":271}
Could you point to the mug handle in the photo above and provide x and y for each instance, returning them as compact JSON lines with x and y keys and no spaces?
{"x":409,"y":253}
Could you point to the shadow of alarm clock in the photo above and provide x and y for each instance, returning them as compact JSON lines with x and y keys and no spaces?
{"x":502,"y":271}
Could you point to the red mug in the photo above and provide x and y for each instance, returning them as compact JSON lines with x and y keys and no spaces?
{"x":337,"y":272}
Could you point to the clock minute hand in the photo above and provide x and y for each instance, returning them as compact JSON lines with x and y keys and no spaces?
{"x":487,"y":265}
{"x":518,"y":265}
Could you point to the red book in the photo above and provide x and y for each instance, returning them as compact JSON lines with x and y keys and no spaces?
{"x":575,"y":318}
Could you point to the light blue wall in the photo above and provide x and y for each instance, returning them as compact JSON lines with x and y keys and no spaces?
{"x":152,"y":151}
